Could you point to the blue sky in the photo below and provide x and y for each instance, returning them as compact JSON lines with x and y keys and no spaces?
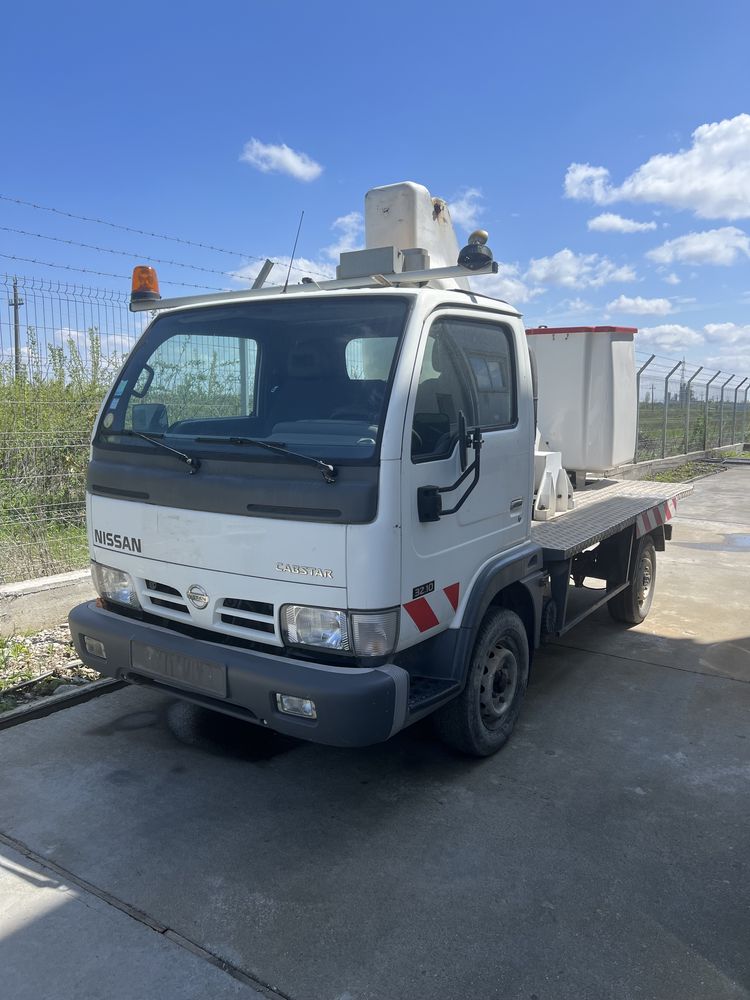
{"x":606,"y":148}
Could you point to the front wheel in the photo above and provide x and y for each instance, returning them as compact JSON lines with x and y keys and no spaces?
{"x":634,"y":603}
{"x":479,"y":721}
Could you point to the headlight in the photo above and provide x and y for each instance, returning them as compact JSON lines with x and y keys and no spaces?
{"x":114,"y":585}
{"x":315,"y":627}
{"x":364,"y":633}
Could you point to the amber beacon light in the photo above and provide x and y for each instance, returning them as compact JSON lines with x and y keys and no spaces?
{"x":145,"y":286}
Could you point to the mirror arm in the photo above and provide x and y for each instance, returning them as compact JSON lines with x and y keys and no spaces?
{"x":429,"y":504}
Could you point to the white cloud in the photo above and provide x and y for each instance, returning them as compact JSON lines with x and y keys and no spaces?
{"x":669,"y":337}
{"x":672,"y":279}
{"x":280,"y":159}
{"x":350,"y":229}
{"x":572,"y":270}
{"x":729,"y":333}
{"x":711,"y":178}
{"x":507,"y":285}
{"x":610,"y":222}
{"x":713,"y":246}
{"x":638,"y":306}
{"x":465,"y":208}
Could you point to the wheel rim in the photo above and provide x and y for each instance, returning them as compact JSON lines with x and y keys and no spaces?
{"x":645,"y":580}
{"x":498,"y":684}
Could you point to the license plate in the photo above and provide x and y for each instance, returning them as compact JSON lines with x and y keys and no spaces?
{"x":183,"y":671}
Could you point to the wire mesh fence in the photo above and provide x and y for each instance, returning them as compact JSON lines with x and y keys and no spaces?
{"x":684,"y":407}
{"x":61,"y":344}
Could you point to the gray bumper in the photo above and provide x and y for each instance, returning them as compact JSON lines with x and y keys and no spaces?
{"x":355,"y":706}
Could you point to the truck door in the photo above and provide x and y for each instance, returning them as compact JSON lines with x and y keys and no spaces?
{"x":467,"y":363}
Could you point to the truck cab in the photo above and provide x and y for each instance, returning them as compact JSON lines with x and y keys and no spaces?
{"x":311,"y":507}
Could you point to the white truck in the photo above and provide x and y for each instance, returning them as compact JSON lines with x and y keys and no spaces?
{"x":320,"y":507}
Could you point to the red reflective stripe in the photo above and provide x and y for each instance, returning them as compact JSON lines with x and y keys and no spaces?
{"x":657,"y":515}
{"x":452,"y":594}
{"x":421,"y":614}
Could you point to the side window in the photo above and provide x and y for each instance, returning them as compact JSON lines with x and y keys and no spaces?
{"x":443,"y":391}
{"x":488,"y":350}
{"x":468,"y":365}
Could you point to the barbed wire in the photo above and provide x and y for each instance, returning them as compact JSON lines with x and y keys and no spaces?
{"x":146,"y":232}
{"x":120,"y":253}
{"x":103,"y":274}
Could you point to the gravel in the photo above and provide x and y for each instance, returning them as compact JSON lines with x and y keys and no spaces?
{"x":37,"y":666}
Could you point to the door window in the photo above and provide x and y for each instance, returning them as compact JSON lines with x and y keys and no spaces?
{"x":468,"y":366}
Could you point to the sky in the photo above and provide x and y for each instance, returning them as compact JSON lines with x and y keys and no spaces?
{"x":606,"y":148}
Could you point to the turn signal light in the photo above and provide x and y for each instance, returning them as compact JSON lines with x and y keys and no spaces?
{"x":145,"y":286}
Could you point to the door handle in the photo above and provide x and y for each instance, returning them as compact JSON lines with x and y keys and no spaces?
{"x":516,"y":504}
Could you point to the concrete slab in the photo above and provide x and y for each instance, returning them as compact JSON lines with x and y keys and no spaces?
{"x":604,"y":853}
{"x":57,"y":940}
{"x":32,"y":605}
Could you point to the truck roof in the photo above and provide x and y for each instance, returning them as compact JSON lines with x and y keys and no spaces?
{"x":440,"y":295}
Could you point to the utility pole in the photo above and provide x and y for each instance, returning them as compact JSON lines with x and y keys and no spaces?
{"x":16,"y":303}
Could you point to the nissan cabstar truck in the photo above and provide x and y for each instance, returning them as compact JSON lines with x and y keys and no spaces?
{"x":334,"y":508}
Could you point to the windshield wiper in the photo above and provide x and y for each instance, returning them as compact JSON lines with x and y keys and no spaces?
{"x":194,"y":463}
{"x":330,"y":472}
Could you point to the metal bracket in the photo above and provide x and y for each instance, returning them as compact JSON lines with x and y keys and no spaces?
{"x":429,"y":503}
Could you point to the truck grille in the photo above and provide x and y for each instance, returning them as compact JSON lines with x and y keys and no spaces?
{"x":254,"y":615}
{"x":232,"y":615}
{"x":162,"y":596}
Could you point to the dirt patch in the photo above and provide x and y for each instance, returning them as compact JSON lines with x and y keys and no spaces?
{"x":36,"y":666}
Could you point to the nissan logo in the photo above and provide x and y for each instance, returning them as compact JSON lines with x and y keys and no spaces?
{"x":198,"y":596}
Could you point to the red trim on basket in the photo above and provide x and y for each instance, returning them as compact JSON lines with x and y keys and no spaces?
{"x":421,"y":614}
{"x":535,"y":330}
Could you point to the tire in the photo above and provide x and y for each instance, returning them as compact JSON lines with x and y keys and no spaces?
{"x":479,"y":721}
{"x":633,"y":604}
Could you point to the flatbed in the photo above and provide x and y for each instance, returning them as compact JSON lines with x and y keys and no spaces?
{"x":603,"y":508}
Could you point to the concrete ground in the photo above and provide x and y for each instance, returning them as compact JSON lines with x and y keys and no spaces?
{"x":603,"y":854}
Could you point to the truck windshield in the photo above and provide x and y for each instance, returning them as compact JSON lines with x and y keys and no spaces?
{"x":311,"y":374}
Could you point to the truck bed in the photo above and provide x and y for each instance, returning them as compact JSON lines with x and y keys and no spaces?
{"x":602,"y":509}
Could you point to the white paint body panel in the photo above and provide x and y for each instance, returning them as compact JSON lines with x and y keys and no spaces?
{"x":587,"y":405}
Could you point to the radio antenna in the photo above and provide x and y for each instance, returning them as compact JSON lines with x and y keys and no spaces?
{"x":294,"y":249}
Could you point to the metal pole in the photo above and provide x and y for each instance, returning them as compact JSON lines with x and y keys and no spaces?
{"x":638,"y":404}
{"x":687,"y":409}
{"x":734,"y":412}
{"x":721,"y":409}
{"x":705,"y":412}
{"x":744,"y":417}
{"x":666,"y":410}
{"x":16,"y":303}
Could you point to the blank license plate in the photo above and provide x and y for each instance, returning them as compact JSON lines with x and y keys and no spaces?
{"x":184,"y":671}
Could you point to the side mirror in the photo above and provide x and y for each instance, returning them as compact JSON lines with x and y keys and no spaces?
{"x":150,"y":417}
{"x":462,"y":450}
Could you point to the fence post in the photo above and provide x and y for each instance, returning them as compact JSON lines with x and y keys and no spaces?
{"x":705,"y":412}
{"x":744,"y":417}
{"x":16,"y":303}
{"x":721,"y":409}
{"x":687,"y":409}
{"x":638,"y":404}
{"x":734,"y":412}
{"x":666,"y":410}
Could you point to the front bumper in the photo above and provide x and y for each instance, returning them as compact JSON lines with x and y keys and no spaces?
{"x":355,"y":706}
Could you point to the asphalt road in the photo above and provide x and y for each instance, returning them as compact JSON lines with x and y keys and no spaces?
{"x":603,"y":854}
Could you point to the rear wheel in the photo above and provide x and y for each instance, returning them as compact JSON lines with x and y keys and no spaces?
{"x":634,"y":603}
{"x":480,"y":720}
